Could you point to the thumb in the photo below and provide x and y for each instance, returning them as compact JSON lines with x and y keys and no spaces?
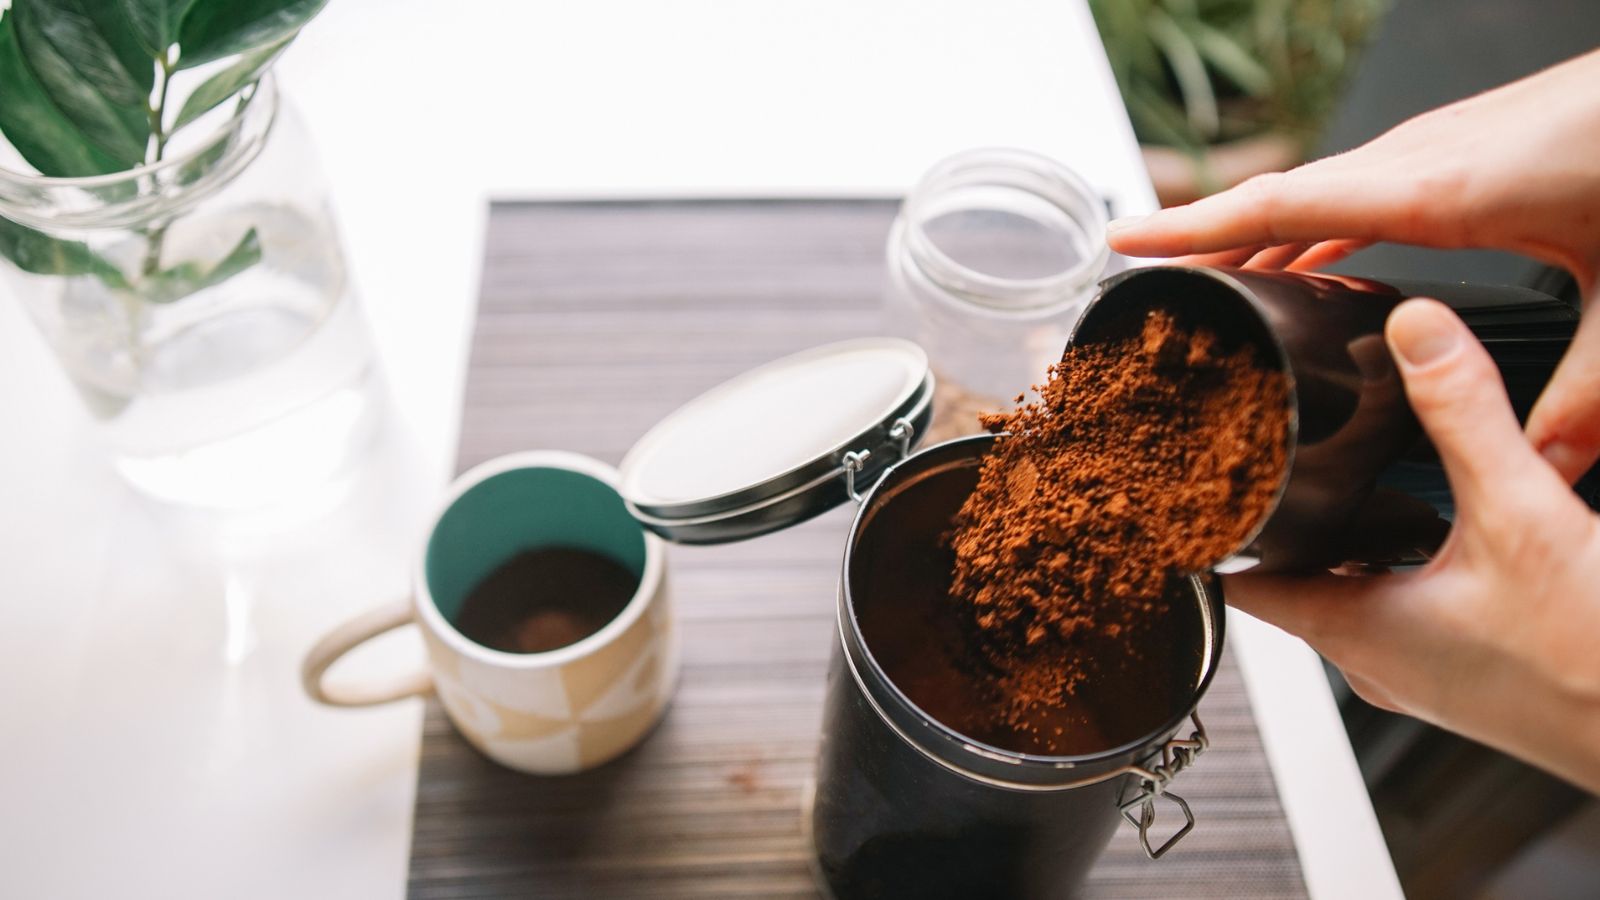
{"x":1458,"y":396}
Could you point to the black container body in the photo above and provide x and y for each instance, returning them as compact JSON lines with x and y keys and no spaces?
{"x":890,"y":822}
{"x":1363,"y":483}
{"x":907,"y":806}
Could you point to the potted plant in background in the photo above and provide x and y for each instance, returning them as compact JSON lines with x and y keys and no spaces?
{"x":1219,"y":90}
{"x":163,"y":220}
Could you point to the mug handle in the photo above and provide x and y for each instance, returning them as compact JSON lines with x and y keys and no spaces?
{"x":347,"y":637}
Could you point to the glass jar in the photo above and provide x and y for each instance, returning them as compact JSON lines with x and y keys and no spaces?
{"x":992,"y":257}
{"x":201,"y":307}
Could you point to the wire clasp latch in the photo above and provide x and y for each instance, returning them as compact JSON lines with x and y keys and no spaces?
{"x":1177,"y":754}
{"x":853,"y":462}
{"x":901,"y":432}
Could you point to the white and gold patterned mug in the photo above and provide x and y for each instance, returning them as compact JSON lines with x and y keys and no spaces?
{"x":554,"y":712}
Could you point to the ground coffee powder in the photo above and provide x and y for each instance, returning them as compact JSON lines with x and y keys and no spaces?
{"x":1146,"y":456}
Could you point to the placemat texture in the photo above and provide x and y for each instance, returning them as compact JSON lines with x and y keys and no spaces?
{"x":595,"y":320}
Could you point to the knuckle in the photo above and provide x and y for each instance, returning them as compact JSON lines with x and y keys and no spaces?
{"x":1441,"y":184}
{"x":1531,"y":534}
{"x":1449,"y":416}
{"x":1459,"y":385}
{"x":1432,"y":207}
{"x":1265,"y":193}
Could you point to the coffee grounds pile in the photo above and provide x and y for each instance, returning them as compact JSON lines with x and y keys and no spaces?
{"x":1145,"y":457}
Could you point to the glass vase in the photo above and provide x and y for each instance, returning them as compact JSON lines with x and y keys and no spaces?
{"x":202,"y":308}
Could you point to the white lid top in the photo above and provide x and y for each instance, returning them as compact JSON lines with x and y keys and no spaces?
{"x":767,"y":431}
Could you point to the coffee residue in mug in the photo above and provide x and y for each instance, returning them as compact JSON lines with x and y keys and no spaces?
{"x":1146,"y":456}
{"x":545,"y":598}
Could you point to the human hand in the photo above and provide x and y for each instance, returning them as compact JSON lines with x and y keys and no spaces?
{"x":1498,"y":637}
{"x":1512,"y":169}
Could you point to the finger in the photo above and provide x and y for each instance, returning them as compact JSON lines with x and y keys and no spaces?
{"x":1565,"y":423}
{"x":1458,"y":397}
{"x":1311,"y":203}
{"x":1326,"y":253}
{"x":1360,"y":623}
{"x":1235,"y":257}
{"x":1343,"y":617}
{"x":1278,"y":257}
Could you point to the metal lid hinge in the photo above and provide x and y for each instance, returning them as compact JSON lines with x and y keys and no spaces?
{"x":854,"y":461}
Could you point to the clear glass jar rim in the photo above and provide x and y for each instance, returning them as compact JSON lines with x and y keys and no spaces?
{"x":265,"y":92}
{"x":976,"y":167}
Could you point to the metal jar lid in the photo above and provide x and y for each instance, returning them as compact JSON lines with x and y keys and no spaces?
{"x":780,"y":443}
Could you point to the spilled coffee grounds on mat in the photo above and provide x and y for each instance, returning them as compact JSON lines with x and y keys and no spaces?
{"x":1144,"y":458}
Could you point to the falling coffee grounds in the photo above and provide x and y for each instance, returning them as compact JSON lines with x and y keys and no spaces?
{"x":544,"y":599}
{"x":1145,"y":457}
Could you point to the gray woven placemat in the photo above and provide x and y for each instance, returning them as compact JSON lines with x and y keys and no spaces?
{"x":595,"y":320}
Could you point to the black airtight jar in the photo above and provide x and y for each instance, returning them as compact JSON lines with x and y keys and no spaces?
{"x":906,"y":805}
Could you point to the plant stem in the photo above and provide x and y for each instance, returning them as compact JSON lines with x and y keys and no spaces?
{"x":156,"y":235}
{"x":157,"y":113}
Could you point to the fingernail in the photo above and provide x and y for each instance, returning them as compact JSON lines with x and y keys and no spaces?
{"x":1116,"y":225}
{"x":1423,"y":332}
{"x":1564,"y":458}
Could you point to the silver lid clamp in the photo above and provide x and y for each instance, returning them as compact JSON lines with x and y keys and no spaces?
{"x":1177,"y":754}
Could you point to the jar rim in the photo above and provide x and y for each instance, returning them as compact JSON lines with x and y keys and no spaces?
{"x":1016,"y":169}
{"x":1207,"y":594}
{"x":246,"y":128}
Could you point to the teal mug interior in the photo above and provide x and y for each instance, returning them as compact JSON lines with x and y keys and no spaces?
{"x":525,"y":509}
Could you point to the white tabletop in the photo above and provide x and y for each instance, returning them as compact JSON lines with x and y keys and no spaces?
{"x":155,"y":741}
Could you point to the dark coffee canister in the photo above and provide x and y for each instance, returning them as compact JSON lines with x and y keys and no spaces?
{"x":906,"y":805}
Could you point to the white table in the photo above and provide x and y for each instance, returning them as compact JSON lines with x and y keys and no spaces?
{"x":155,"y":741}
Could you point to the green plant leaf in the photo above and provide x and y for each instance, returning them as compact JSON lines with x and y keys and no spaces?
{"x":33,"y":125}
{"x":104,"y":28}
{"x":1128,"y":45}
{"x":89,"y":65}
{"x":228,"y":82}
{"x":1189,"y":69}
{"x":155,"y":22}
{"x":40,"y":254}
{"x":217,"y":28}
{"x":1232,"y":60}
{"x":1260,"y":64}
{"x":187,"y":278}
{"x":1158,"y":119}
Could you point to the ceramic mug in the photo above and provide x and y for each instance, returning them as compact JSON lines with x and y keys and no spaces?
{"x":550,"y":713}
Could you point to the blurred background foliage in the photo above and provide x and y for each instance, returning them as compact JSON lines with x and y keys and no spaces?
{"x":1194,"y":73}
